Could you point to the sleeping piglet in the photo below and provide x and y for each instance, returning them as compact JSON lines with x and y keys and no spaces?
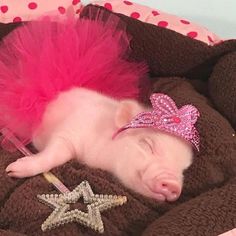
{"x":69,"y":88}
{"x":80,"y":124}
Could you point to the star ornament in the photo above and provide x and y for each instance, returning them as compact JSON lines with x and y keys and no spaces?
{"x":92,"y":218}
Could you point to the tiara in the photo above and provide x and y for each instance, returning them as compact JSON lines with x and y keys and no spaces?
{"x":166,"y":117}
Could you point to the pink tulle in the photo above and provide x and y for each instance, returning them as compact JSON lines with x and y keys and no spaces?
{"x":43,"y":58}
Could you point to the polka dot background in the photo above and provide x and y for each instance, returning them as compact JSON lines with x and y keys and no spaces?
{"x":161,"y":19}
{"x":25,"y":10}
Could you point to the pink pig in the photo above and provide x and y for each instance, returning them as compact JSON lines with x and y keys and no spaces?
{"x":80,"y":124}
{"x":68,"y":87}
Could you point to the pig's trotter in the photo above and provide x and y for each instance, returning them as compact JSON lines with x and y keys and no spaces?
{"x":56,"y":153}
{"x":24,"y":167}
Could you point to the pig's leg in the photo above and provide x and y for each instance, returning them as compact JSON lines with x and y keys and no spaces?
{"x":57,"y":152}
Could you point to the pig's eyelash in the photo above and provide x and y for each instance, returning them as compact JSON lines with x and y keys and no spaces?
{"x":149,"y":143}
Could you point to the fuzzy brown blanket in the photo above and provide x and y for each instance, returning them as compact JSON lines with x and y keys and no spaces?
{"x":190,"y":72}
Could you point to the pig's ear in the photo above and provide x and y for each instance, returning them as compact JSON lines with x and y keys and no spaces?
{"x":126,"y":110}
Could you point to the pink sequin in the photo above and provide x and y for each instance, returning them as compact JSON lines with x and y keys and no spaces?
{"x":166,"y":117}
{"x":176,"y":119}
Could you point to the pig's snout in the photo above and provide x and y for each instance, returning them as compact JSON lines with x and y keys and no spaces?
{"x":166,"y":188}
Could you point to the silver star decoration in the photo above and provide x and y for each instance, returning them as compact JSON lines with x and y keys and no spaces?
{"x":96,"y":204}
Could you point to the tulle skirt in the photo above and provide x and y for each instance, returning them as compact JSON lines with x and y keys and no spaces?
{"x":43,"y":58}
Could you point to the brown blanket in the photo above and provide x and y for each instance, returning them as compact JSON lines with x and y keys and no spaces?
{"x":190,"y":72}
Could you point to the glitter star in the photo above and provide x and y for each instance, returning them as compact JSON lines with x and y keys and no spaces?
{"x":96,"y":204}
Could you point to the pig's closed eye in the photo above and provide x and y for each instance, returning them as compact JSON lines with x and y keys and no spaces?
{"x":147,"y":144}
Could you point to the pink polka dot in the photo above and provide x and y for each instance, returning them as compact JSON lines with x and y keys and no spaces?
{"x":17,"y":19}
{"x":77,"y":11}
{"x":155,"y":13}
{"x":192,"y":34}
{"x":210,"y":39}
{"x":62,"y":10}
{"x":75,"y":2}
{"x":185,"y":22}
{"x":32,"y":5}
{"x":163,"y":24}
{"x":108,"y":6}
{"x":135,"y":15}
{"x":4,"y":9}
{"x":128,"y":3}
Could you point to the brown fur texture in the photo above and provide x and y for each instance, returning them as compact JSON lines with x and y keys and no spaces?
{"x":190,"y":72}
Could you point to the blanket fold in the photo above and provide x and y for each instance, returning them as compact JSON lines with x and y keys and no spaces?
{"x":190,"y":72}
{"x":208,"y":209}
{"x":222,"y":86}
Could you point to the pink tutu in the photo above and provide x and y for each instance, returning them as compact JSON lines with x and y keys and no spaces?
{"x":43,"y":58}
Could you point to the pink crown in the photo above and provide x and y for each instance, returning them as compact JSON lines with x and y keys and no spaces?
{"x":166,"y":117}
